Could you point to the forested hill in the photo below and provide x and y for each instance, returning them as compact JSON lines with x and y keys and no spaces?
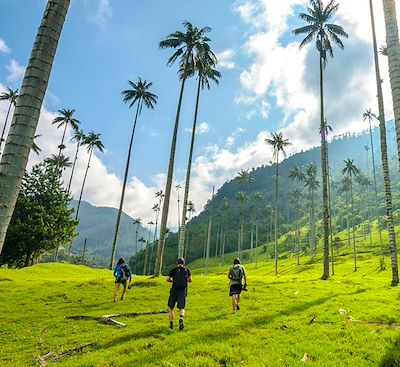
{"x":97,"y":224}
{"x":341,"y":148}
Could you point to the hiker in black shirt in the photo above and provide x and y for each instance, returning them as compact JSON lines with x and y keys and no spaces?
{"x":179,"y":277}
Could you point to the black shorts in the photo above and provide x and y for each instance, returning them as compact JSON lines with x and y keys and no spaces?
{"x":235,"y":289}
{"x":177,"y":296}
{"x":120,"y":281}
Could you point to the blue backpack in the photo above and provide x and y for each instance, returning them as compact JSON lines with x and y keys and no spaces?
{"x":123,"y":272}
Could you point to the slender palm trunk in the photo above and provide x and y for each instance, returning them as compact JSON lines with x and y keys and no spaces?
{"x":376,"y":190}
{"x":188,"y":172}
{"x":256,"y":242}
{"x":324,"y":168}
{"x":62,"y":139}
{"x":208,"y":242}
{"x":276,"y":215}
{"x":312,"y":226}
{"x":251,"y":239}
{"x":26,"y":114}
{"x":78,"y":144}
{"x":155,"y":235}
{"x":83,"y":184}
{"x":5,"y":125}
{"x":393,"y":53}
{"x":352,"y":225}
{"x":330,"y":223}
{"x":218,"y":240}
{"x":168,"y":185}
{"x":347,"y":223}
{"x":121,"y":202}
{"x":368,"y":206}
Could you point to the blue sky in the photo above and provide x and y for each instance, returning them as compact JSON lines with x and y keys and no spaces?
{"x":267,"y":84}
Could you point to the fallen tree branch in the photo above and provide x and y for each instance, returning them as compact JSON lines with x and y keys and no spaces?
{"x":108,"y":319}
{"x":51,"y":357}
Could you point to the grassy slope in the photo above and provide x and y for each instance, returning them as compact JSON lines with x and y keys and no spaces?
{"x":272,"y":328}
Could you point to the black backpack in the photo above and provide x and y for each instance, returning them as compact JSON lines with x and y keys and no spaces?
{"x":236,"y":273}
{"x":180,"y":278}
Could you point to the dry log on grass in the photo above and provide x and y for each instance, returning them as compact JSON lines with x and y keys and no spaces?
{"x":52,"y":357}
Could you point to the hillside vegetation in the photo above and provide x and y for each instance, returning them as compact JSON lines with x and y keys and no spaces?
{"x":292,"y":319}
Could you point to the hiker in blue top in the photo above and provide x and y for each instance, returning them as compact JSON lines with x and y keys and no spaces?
{"x":179,"y":277}
{"x":122,"y":272}
{"x":236,"y":275}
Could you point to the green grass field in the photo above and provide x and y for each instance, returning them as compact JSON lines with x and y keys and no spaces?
{"x":293,"y":319}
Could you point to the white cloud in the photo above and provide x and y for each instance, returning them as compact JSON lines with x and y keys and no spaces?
{"x":203,"y":128}
{"x":3,"y":47}
{"x":225,"y":59}
{"x":15,"y":72}
{"x":102,"y":13}
{"x":282,"y":75}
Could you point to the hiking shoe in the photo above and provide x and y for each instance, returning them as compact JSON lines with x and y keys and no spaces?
{"x":237,"y":307}
{"x":181,"y":326}
{"x":171,"y":325}
{"x":122,"y":298}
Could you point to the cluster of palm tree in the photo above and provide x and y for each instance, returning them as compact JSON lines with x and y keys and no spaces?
{"x":196,"y":58}
{"x":193,"y":51}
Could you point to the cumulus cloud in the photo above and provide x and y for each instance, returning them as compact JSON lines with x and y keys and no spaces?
{"x":225,"y":59}
{"x":99,"y":11}
{"x":3,"y":47}
{"x":15,"y":72}
{"x":203,"y":128}
{"x":282,"y":75}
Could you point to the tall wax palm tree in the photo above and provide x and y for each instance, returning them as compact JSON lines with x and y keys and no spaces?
{"x":295,"y":196}
{"x":26,"y":114}
{"x":140,"y":95}
{"x":188,"y":44}
{"x":311,"y":182}
{"x":344,"y":188}
{"x":278,"y":144}
{"x":11,"y":96}
{"x":206,"y":73}
{"x":324,"y":34}
{"x":190,"y":210}
{"x":92,"y":140}
{"x":369,"y":115}
{"x":66,"y":118}
{"x":351,"y":170}
{"x":393,"y":51}
{"x":296,"y":174}
{"x":79,"y":137}
{"x":146,"y":256}
{"x":156,"y":209}
{"x":137,"y":222}
{"x":208,"y":239}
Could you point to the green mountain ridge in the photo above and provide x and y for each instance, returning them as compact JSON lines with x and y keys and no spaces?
{"x":340,"y":148}
{"x":97,"y":224}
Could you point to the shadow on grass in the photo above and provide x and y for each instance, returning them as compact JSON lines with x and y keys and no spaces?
{"x":158,"y":333}
{"x":392,"y":355}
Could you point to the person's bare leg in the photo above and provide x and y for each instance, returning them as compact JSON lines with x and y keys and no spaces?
{"x":234,"y":303}
{"x":123,"y":292}
{"x":171,"y":318}
{"x":181,"y":316}
{"x":116,"y":288}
